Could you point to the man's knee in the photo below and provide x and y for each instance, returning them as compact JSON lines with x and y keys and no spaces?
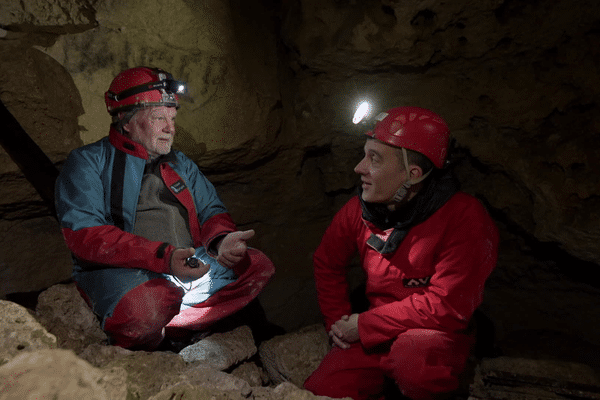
{"x":426,"y":362}
{"x":140,"y":316}
{"x":347,"y":373}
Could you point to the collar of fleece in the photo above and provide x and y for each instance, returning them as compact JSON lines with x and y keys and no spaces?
{"x":436,"y":191}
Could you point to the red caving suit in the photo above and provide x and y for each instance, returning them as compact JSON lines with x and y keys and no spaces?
{"x":421,"y":299}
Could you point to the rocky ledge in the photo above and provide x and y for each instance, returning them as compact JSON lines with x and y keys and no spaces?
{"x":59,"y":351}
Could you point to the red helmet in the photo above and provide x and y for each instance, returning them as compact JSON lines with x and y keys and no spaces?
{"x":142,"y":87}
{"x":414,"y":128}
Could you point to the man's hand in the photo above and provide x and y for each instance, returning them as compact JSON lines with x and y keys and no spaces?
{"x":233,"y":247}
{"x":345,"y":331}
{"x":181,"y":270}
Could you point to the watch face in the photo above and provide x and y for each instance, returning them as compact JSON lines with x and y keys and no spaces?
{"x":191,"y":262}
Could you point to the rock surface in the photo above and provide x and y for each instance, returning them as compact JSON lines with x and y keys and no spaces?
{"x":45,"y":15}
{"x":33,"y":364}
{"x":64,"y":313}
{"x":251,"y":373}
{"x":20,"y":332}
{"x":293,"y":357}
{"x":107,"y":372}
{"x":525,"y":379}
{"x":222,"y":350}
{"x":56,"y":374}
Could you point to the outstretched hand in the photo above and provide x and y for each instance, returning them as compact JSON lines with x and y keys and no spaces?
{"x":233,"y":247}
{"x":181,"y":270}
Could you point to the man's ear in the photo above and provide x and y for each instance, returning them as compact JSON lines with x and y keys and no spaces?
{"x":124,"y":127}
{"x":415,"y":171}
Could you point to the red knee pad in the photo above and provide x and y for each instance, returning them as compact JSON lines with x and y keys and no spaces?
{"x":140,"y":316}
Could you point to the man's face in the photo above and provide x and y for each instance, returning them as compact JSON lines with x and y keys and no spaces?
{"x":153,"y":128}
{"x":381,"y":172}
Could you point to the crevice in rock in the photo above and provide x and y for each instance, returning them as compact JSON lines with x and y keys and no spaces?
{"x":222,"y":167}
{"x":511,"y":8}
{"x":24,"y":210}
{"x":315,"y":152}
{"x":423,"y":18}
{"x":29,"y":300}
{"x":549,"y":253}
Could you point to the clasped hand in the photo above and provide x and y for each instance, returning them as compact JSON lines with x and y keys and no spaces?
{"x":345,"y":331}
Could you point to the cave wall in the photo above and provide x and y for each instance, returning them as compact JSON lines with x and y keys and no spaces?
{"x":274,"y":89}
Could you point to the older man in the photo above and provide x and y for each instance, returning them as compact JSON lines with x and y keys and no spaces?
{"x":154,"y":248}
{"x":426,"y":249}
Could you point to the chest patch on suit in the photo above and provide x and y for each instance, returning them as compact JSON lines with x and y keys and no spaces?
{"x":416,"y":282}
{"x":178,"y":186}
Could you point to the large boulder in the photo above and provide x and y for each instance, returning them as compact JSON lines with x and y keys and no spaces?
{"x":222,"y":350}
{"x":294,"y":356}
{"x":64,"y":313}
{"x":60,"y":375}
{"x":20,"y":332}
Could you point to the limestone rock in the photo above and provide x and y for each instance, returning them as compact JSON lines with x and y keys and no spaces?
{"x":114,"y":383}
{"x":251,"y":373}
{"x":294,"y":356}
{"x":207,"y":377}
{"x":222,"y":350}
{"x":527,"y":379}
{"x":148,"y":373}
{"x":45,"y":102}
{"x":20,"y":332}
{"x":141,"y":371}
{"x":43,"y":98}
{"x":23,"y":270}
{"x":188,"y":391}
{"x":287,"y":391}
{"x":100,"y":355}
{"x":231,"y":68}
{"x":284,"y":391}
{"x":56,"y":374}
{"x":45,"y":13}
{"x":64,"y":313}
{"x":548,"y":369}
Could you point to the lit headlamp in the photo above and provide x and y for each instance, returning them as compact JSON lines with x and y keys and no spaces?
{"x":168,"y":86}
{"x":362,"y":111}
{"x":364,"y":115}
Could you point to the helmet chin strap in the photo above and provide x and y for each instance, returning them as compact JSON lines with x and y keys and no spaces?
{"x":403,"y":190}
{"x":118,"y":123}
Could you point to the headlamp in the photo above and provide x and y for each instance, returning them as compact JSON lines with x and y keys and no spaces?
{"x":364,"y":115}
{"x":362,"y":111}
{"x":169,"y":86}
